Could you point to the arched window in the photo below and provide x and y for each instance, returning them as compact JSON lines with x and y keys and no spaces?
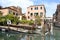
{"x":36,"y":8}
{"x":31,"y":14}
{"x":40,"y":7}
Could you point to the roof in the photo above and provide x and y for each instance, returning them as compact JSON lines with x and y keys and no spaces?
{"x":35,"y":5}
{"x":11,"y":7}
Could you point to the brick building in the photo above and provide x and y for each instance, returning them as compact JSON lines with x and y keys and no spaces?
{"x":17,"y":11}
{"x":56,"y":16}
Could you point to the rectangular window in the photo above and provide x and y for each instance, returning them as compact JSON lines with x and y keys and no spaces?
{"x":35,"y":14}
{"x":41,"y":14}
{"x":10,"y":12}
{"x":36,"y":8}
{"x":56,"y":12}
{"x":16,"y":14}
{"x":13,"y":13}
{"x":40,"y":7}
{"x":31,"y":14}
{"x":31,"y":8}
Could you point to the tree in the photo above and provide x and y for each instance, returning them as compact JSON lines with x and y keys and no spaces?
{"x":0,"y":13}
{"x":37,"y":20}
{"x":2,"y":20}
{"x":14,"y":19}
{"x":0,"y":16}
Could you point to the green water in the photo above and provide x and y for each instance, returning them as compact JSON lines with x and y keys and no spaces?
{"x":17,"y":36}
{"x":24,"y":36}
{"x":11,"y":36}
{"x":57,"y":33}
{"x":20,"y":36}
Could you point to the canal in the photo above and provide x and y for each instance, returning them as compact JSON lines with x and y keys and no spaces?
{"x":11,"y":35}
{"x":56,"y":33}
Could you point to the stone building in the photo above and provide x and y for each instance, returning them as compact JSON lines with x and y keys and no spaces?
{"x":36,"y":10}
{"x":56,"y":16}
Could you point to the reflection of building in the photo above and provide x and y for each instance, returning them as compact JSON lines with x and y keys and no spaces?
{"x":35,"y":10}
{"x":56,"y":16}
{"x":12,"y":9}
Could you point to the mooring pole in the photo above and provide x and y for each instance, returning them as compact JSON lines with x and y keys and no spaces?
{"x":43,"y":31}
{"x":43,"y":34}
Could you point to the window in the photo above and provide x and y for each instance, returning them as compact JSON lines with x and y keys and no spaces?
{"x":28,"y":17}
{"x":36,"y":8}
{"x":41,"y":14}
{"x":31,"y":8}
{"x":56,"y":12}
{"x":10,"y":11}
{"x":35,"y":14}
{"x":13,"y":13}
{"x":31,"y":14}
{"x":16,"y":14}
{"x":28,"y":12}
{"x":40,"y":7}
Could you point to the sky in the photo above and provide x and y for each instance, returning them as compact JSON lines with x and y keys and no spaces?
{"x":50,"y":5}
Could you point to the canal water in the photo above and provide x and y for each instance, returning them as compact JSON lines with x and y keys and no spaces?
{"x":25,"y":36}
{"x":57,"y":33}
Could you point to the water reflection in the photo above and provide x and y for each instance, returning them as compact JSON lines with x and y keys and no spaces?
{"x":22,"y":36}
{"x":11,"y":36}
{"x":57,"y":33}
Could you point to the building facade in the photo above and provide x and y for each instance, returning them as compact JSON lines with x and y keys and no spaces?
{"x":17,"y":11}
{"x":36,"y":10}
{"x":48,"y":20}
{"x":56,"y":16}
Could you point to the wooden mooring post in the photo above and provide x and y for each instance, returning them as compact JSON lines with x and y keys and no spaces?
{"x":43,"y":31}
{"x":43,"y":34}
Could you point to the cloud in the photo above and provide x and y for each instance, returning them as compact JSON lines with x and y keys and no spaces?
{"x":22,"y":3}
{"x":50,"y":5}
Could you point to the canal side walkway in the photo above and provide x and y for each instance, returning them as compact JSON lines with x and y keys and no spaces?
{"x":19,"y":28}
